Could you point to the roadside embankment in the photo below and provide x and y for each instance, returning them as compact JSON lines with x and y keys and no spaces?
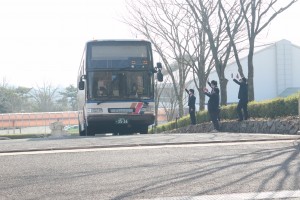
{"x":287,"y":125}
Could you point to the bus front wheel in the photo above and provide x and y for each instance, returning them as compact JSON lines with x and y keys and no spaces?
{"x":89,"y":131}
{"x":144,"y":130}
{"x":81,"y":133}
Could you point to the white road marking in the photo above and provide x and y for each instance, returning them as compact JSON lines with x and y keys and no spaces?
{"x":138,"y":147}
{"x":240,"y":196}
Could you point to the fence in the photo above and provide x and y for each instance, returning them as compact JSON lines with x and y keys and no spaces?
{"x":12,"y":121}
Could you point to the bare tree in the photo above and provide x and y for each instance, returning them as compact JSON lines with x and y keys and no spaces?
{"x":158,"y":90}
{"x":44,"y":98}
{"x":199,"y":58}
{"x":232,"y":13}
{"x":160,"y":21}
{"x":257,"y":15}
{"x":169,"y":103}
{"x":208,"y":14}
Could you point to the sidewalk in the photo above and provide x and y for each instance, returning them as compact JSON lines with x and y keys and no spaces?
{"x":76,"y":142}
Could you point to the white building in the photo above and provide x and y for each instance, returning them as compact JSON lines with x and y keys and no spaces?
{"x":276,"y":72}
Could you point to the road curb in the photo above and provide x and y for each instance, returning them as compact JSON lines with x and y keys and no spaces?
{"x":147,"y":145}
{"x":4,"y":138}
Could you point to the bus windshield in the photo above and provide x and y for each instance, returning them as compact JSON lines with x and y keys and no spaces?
{"x":118,"y":85}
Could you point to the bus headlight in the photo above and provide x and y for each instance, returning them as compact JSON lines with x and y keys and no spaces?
{"x":94,"y":110}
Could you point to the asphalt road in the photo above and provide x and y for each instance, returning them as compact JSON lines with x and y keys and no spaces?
{"x":169,"y":166}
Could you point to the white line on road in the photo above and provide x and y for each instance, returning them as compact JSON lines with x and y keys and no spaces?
{"x":240,"y":196}
{"x":86,"y":149}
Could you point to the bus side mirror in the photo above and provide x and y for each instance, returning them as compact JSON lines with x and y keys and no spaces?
{"x":159,"y":76}
{"x":81,"y":83}
{"x":158,"y":65}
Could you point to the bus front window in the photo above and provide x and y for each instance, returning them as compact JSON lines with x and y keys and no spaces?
{"x":119,"y":85}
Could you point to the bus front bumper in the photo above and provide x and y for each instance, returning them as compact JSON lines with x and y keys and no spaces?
{"x":120,"y":119}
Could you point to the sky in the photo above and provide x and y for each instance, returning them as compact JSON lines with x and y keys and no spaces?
{"x":41,"y":41}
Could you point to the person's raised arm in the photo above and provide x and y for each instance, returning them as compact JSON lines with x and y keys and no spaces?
{"x":205,"y":90}
{"x":187,"y":91}
{"x":208,"y":83}
{"x":235,"y":80}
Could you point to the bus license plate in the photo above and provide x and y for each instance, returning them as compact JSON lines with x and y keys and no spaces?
{"x":121,"y":121}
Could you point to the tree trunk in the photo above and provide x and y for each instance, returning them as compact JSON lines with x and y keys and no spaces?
{"x":223,"y":91}
{"x":251,"y":73}
{"x":202,"y":83}
{"x":201,"y":100}
{"x":180,"y":105}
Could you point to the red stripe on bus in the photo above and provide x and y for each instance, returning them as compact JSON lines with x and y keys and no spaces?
{"x":138,"y":107}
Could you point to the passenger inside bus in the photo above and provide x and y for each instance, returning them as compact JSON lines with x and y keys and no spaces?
{"x":101,"y":91}
{"x":133,"y":89}
{"x":119,"y":84}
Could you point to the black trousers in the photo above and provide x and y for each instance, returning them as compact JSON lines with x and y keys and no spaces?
{"x":192,"y":116}
{"x":214,"y":117}
{"x":242,"y":105}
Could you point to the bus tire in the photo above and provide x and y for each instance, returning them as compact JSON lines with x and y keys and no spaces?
{"x":125,"y":131}
{"x":144,"y":130}
{"x":81,"y":133}
{"x":89,"y":131}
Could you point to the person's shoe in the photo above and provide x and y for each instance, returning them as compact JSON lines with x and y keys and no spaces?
{"x":214,"y":131}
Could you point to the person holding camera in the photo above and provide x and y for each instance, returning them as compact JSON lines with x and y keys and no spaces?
{"x":213,"y":104}
{"x":243,"y":97}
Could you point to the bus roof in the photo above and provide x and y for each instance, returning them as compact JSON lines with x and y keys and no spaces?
{"x":118,"y":40}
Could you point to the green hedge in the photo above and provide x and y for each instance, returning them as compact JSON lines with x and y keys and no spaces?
{"x":278,"y":107}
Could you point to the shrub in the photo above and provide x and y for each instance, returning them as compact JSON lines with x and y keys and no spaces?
{"x":228,"y":112}
{"x":291,"y":102}
{"x":278,"y":107}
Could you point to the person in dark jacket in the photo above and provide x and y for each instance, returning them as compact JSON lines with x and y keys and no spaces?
{"x":219,"y":109}
{"x":213,"y":103}
{"x":192,"y":106}
{"x":243,"y":98}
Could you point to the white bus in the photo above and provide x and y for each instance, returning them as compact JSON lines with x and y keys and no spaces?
{"x":116,"y":87}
